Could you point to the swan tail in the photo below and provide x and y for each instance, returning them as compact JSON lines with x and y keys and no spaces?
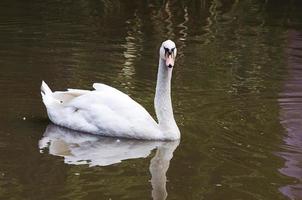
{"x":46,"y":94}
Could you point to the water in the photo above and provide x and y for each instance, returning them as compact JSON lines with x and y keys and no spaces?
{"x":237,"y":98}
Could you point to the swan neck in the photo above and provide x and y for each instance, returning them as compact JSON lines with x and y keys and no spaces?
{"x":163,"y":103}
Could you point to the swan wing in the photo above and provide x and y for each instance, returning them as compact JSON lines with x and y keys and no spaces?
{"x":108,"y":111}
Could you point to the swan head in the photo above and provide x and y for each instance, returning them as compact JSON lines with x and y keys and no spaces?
{"x":168,"y":52}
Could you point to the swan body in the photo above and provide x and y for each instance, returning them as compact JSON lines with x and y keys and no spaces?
{"x":109,"y":112}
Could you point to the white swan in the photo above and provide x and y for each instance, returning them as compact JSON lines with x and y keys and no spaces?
{"x":109,"y":112}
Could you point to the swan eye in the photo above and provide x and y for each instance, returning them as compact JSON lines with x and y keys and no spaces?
{"x":168,"y":51}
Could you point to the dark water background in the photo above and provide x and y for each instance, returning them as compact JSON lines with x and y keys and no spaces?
{"x":237,"y":97}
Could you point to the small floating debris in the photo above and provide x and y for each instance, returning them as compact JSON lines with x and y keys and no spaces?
{"x":218,"y":185}
{"x":23,"y":118}
{"x":77,"y":174}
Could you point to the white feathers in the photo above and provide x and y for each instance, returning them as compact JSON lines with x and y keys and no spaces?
{"x":110,"y":112}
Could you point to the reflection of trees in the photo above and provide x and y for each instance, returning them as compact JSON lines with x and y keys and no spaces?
{"x":133,"y":50}
{"x":239,"y":64}
{"x":291,"y":117}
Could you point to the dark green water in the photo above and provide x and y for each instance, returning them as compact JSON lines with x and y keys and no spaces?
{"x":237,"y":97}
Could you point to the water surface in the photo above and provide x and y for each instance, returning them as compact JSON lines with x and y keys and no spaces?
{"x":236,"y":94}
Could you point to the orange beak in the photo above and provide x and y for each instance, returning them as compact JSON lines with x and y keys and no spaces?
{"x":169,"y":61}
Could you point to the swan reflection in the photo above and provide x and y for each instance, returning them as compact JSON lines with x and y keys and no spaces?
{"x":78,"y":148}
